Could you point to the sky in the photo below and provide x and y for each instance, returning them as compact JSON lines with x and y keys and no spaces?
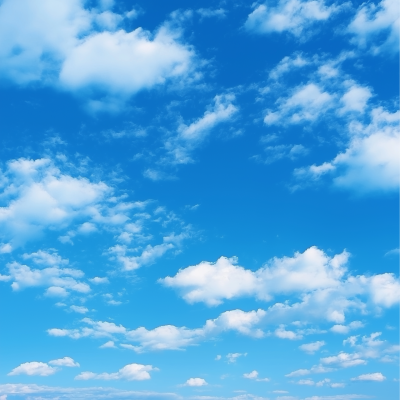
{"x":199,"y":200}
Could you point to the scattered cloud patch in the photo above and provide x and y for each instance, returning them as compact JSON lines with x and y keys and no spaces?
{"x":376,"y":26}
{"x":311,"y":348}
{"x":64,"y":362}
{"x":375,"y":377}
{"x":196,"y":382}
{"x":296,"y":17}
{"x":131,"y":372}
{"x":254,"y":375}
{"x":189,"y":137}
{"x":33,"y":368}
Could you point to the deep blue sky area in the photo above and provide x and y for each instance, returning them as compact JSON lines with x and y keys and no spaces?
{"x":199,"y":201}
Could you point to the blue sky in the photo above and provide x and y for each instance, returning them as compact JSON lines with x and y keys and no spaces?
{"x":199,"y":200}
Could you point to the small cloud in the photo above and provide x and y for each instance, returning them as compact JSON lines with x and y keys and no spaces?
{"x":254,"y":375}
{"x":131,"y":372}
{"x":218,"y":357}
{"x":251,"y":375}
{"x":56,"y":291}
{"x":97,"y":281}
{"x":308,"y":382}
{"x":282,"y":333}
{"x":377,"y":377}
{"x":343,"y":329}
{"x":114,"y":302}
{"x":108,"y":345}
{"x":5,"y":248}
{"x":311,"y":348}
{"x":79,"y":309}
{"x":192,"y":208}
{"x":195,"y":382}
{"x":393,"y":252}
{"x":33,"y":368}
{"x":232,"y":357}
{"x":64,"y":362}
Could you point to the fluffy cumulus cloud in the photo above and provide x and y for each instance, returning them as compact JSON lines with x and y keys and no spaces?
{"x":190,"y":136}
{"x":317,"y":287}
{"x":320,"y":287}
{"x":254,"y":375}
{"x":64,"y":44}
{"x":37,"y":196}
{"x":293,"y":16}
{"x":196,"y":382}
{"x":377,"y":26}
{"x":212,"y":283}
{"x":131,"y":372}
{"x":33,"y":368}
{"x":367,"y":160}
{"x":58,"y":281}
{"x":370,"y":163}
{"x":43,"y":369}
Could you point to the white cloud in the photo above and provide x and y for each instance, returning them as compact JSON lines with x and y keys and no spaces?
{"x":63,"y":44}
{"x":376,"y":376}
{"x":324,"y":382}
{"x":325,"y":289}
{"x":211,"y":12}
{"x":370,"y":162}
{"x":108,"y":345}
{"x":311,"y":348}
{"x":232,"y":357}
{"x":45,"y":258}
{"x":168,"y":337}
{"x":64,"y":362}
{"x":196,"y":382}
{"x":306,"y":104}
{"x":254,"y":375}
{"x":149,"y":254}
{"x":282,"y":333}
{"x":79,"y":309}
{"x":213,"y":282}
{"x":5,"y":248}
{"x":41,"y":197}
{"x":377,"y":26}
{"x":189,"y":137}
{"x":316,"y":369}
{"x":34,"y":29}
{"x":346,"y":328}
{"x":287,"y":64}
{"x":308,"y":382}
{"x":33,"y":368}
{"x":293,"y":16}
{"x":68,"y":393}
{"x":355,"y":99}
{"x":344,"y":360}
{"x":131,"y":372}
{"x":97,"y":280}
{"x":59,"y":281}
{"x":125,"y":62}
